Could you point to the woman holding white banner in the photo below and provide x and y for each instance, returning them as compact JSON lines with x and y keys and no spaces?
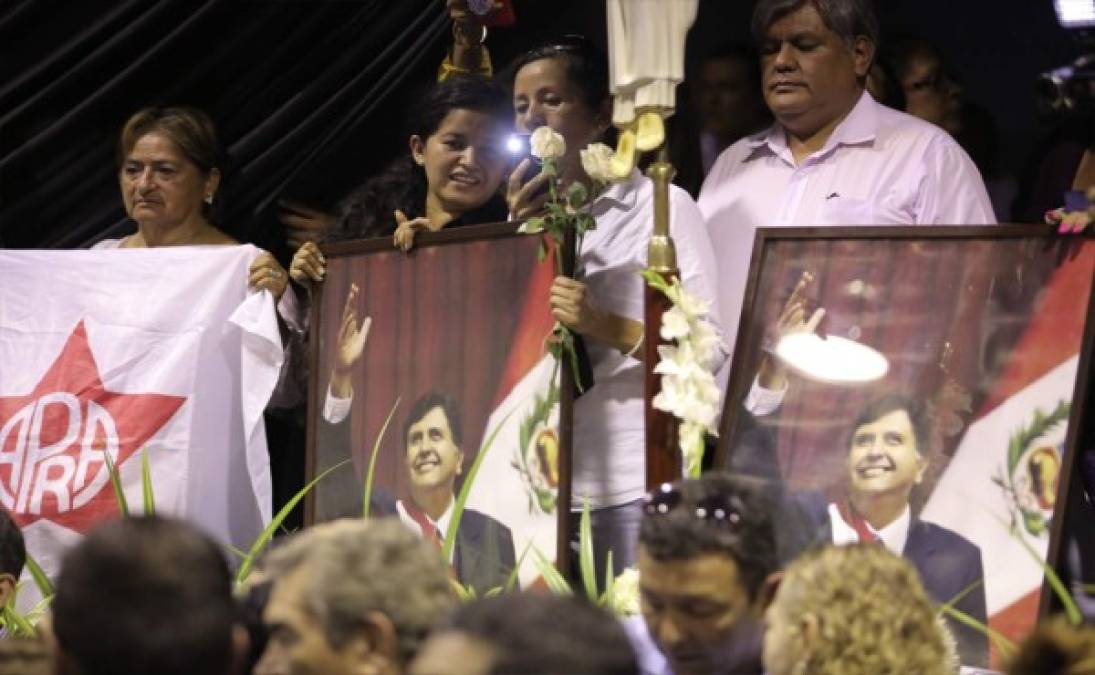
{"x":169,"y":169}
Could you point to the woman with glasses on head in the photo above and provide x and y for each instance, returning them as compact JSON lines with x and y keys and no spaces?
{"x":563,"y":84}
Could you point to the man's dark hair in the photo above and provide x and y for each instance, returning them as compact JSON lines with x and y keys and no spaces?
{"x":679,"y":534}
{"x":849,"y":19}
{"x":13,"y":552}
{"x":535,"y":633}
{"x":145,"y":595}
{"x":893,"y":402}
{"x":742,"y":53}
{"x":428,"y":402}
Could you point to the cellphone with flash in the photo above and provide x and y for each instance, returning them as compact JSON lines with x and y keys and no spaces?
{"x":519,"y":147}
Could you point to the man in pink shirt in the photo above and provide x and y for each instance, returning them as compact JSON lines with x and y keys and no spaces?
{"x":834,"y":156}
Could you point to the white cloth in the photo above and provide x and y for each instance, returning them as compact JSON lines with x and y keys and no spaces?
{"x":894,"y":536}
{"x":292,"y":378}
{"x":879,"y":167}
{"x":646,"y":53}
{"x":609,"y":428}
{"x":187,"y":360}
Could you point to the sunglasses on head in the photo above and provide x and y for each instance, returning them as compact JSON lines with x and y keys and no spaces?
{"x":668,"y":497}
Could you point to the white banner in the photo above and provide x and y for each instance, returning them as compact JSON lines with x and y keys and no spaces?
{"x":160,"y":352}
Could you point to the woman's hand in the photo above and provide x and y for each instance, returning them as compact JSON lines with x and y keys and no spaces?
{"x":573,"y":306}
{"x":525,"y":199}
{"x":405,"y":230}
{"x":303,"y":223}
{"x":308,"y":264}
{"x":352,"y":337}
{"x":266,"y":273}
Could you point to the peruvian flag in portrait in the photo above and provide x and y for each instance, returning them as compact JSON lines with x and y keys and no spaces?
{"x":158,"y":354}
{"x":1007,"y":465}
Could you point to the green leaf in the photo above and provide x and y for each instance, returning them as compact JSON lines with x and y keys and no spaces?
{"x":1003,"y":645}
{"x":465,"y":490}
{"x":607,"y":598}
{"x":511,"y":580}
{"x":16,"y":623}
{"x":41,"y":580}
{"x":494,"y":592}
{"x":463,"y":593}
{"x":541,"y":251}
{"x":577,"y":194}
{"x":367,"y":494}
{"x":1069,"y":604}
{"x":585,"y":553}
{"x":533,"y":225}
{"x":655,"y":280}
{"x":267,"y":534}
{"x":116,"y":483}
{"x":552,"y":577}
{"x":236,"y":552}
{"x":146,"y":485}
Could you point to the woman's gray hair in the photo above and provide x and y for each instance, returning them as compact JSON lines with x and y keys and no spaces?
{"x":358,"y":566}
{"x":849,"y":19}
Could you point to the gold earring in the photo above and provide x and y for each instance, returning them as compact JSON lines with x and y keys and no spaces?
{"x":209,"y":199}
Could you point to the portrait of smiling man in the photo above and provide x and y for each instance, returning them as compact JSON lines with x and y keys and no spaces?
{"x":483,"y":556}
{"x":885,"y":463}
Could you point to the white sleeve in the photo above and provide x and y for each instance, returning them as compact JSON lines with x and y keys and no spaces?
{"x":952,"y":192}
{"x":336,"y":409}
{"x":760,"y":401}
{"x":696,"y":260}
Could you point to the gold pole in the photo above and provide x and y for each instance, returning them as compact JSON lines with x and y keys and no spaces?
{"x":663,"y":457}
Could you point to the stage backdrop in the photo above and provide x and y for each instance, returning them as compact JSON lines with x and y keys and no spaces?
{"x":161,"y":353}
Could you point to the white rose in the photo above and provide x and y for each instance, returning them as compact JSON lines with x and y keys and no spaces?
{"x":546,"y":144}
{"x":597,"y":162}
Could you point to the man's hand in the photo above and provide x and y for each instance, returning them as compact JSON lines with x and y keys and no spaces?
{"x":352,"y":337}
{"x":792,"y":319}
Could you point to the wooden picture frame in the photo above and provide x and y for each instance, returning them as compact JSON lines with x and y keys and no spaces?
{"x":464,"y":318}
{"x":988,"y":331}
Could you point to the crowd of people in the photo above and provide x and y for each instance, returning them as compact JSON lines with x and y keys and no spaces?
{"x":799,"y":130}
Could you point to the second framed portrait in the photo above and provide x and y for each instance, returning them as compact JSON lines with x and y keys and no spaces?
{"x":435,"y":398}
{"x":922,"y":388}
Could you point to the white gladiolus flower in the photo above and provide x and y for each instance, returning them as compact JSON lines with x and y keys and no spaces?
{"x":625,"y":593}
{"x":675,"y":324}
{"x":597,"y":160}
{"x":546,"y":144}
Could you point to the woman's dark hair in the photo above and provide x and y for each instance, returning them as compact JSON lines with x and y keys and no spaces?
{"x":367,"y":211}
{"x":586,"y":66}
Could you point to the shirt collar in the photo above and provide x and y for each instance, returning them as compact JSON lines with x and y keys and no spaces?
{"x":859,"y":127}
{"x":894,"y":536}
{"x":620,"y":194}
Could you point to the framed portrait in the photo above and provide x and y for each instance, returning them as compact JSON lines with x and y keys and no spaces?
{"x":921,"y":387}
{"x":434,"y":398}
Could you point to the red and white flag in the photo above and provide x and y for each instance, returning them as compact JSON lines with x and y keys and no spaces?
{"x":1006,"y":466}
{"x":133,"y":352}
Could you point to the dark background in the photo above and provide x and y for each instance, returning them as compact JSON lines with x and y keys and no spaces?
{"x":308,"y":96}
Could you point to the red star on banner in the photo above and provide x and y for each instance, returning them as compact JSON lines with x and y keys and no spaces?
{"x":52,"y":441}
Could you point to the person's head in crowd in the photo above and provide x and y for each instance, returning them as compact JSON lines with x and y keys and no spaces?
{"x":433,"y":438}
{"x":1056,"y":647}
{"x":170,"y":164}
{"x":352,"y":596}
{"x":527,"y":633}
{"x":706,"y":551}
{"x":886,"y":457}
{"x":563,"y":84}
{"x":854,"y":610}
{"x":931,"y":93}
{"x":25,"y":656}
{"x":13,"y":555}
{"x":728,"y":94}
{"x":146,"y":595}
{"x":457,"y":156}
{"x":884,"y":87}
{"x":815,"y":56}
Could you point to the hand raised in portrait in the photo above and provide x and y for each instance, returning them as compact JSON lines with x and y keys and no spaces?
{"x":352,"y":335}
